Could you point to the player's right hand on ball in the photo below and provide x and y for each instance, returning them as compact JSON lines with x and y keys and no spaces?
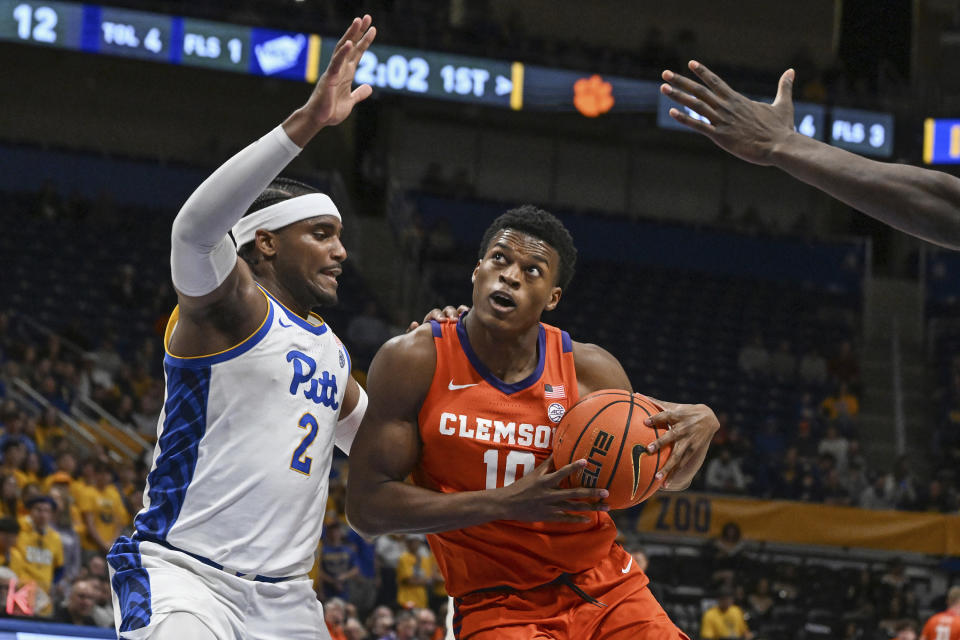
{"x":539,"y":496}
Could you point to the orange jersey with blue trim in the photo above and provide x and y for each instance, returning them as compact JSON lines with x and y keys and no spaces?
{"x":942,"y":626}
{"x":479,"y":432}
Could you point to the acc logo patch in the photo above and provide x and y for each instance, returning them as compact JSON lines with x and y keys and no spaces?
{"x":555,"y":412}
{"x":343,"y":361}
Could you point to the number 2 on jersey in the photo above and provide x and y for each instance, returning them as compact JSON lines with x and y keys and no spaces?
{"x":517,"y":464}
{"x":301,"y":461}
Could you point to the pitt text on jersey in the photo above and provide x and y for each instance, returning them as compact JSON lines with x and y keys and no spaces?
{"x":321,"y":389}
{"x":523,"y":435}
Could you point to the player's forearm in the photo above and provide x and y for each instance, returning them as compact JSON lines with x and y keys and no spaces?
{"x":921,"y":202}
{"x":221,"y":200}
{"x":301,"y":126}
{"x":201,"y":254}
{"x":397,"y":507}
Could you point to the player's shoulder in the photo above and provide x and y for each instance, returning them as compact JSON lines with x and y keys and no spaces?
{"x":415,"y":344}
{"x":588,"y":356}
{"x":597,"y":368}
{"x":412,"y":353}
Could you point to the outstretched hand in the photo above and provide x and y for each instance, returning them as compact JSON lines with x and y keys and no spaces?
{"x":746,"y":128}
{"x":690,"y":428}
{"x":537,"y":496}
{"x":334,"y":97}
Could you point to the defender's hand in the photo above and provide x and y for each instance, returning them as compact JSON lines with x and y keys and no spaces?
{"x":690,"y":427}
{"x":448,"y":314}
{"x":333,"y":98}
{"x":537,"y":496}
{"x":748,"y":129}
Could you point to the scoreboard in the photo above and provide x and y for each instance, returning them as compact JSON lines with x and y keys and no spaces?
{"x":158,"y":37}
{"x":300,"y":56}
{"x":437,"y":75}
{"x":866,"y":132}
{"x":941,"y":141}
{"x":55,"y":24}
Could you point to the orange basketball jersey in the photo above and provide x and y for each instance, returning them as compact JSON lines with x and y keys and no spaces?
{"x":479,"y":432}
{"x":942,"y":626}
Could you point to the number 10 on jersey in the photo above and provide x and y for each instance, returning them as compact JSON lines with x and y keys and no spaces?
{"x":517,"y":464}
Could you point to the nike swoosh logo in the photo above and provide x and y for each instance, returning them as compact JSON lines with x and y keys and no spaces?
{"x":638,"y":451}
{"x":454,"y":387}
{"x":280,"y":322}
{"x":629,"y":564}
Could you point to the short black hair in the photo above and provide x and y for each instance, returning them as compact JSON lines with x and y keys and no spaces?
{"x":277,"y":191}
{"x":539,"y":224}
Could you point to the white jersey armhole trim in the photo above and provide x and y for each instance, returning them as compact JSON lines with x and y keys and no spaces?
{"x":175,"y":316}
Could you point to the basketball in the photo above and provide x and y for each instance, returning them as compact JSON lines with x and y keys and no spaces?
{"x":606,"y":428}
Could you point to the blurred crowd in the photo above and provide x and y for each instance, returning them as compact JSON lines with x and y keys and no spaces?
{"x":817,"y":456}
{"x":771,"y":597}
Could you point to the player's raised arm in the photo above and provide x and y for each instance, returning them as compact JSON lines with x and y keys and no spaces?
{"x":387,"y":449}
{"x":691,"y":426}
{"x":921,"y":202}
{"x":206,"y":272}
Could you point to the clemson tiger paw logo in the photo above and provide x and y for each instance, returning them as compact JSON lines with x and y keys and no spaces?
{"x":592,"y":96}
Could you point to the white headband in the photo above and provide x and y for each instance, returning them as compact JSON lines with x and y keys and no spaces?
{"x":279,"y":215}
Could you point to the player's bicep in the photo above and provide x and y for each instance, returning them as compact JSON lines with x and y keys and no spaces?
{"x":386,"y":449}
{"x":387,"y":446}
{"x":598,"y":369}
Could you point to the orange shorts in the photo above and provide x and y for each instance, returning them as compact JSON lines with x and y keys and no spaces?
{"x":612,"y":604}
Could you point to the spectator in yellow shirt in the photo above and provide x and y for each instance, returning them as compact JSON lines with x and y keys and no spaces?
{"x":725,"y":620}
{"x":14,"y":453}
{"x":9,"y":529}
{"x":9,"y":496}
{"x":104,"y":514}
{"x":842,"y":405}
{"x":31,"y":468}
{"x":38,"y":554}
{"x":60,"y":483}
{"x":413,"y":575}
{"x":65,"y":466}
{"x":49,"y":429}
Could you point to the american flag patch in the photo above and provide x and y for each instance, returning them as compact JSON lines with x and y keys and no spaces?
{"x":553,"y":391}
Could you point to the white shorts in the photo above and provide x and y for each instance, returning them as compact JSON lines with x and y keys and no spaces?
{"x":149,"y":582}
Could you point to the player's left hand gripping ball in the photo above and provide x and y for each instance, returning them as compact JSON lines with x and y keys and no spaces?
{"x":690,"y":429}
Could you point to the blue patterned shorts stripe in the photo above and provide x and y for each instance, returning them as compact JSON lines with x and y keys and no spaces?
{"x":131,"y":583}
{"x":183,"y":427}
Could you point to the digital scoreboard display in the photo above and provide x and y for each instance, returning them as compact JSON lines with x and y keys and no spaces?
{"x":282,"y":54}
{"x":215,"y":45}
{"x":300,"y":56}
{"x":941,"y":141}
{"x":436,"y":75}
{"x":54,"y":24}
{"x":865,"y":132}
{"x":130,"y":33}
{"x":589,"y":93}
{"x":161,"y":38}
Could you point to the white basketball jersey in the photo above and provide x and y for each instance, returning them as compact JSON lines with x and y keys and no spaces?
{"x":245,"y":445}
